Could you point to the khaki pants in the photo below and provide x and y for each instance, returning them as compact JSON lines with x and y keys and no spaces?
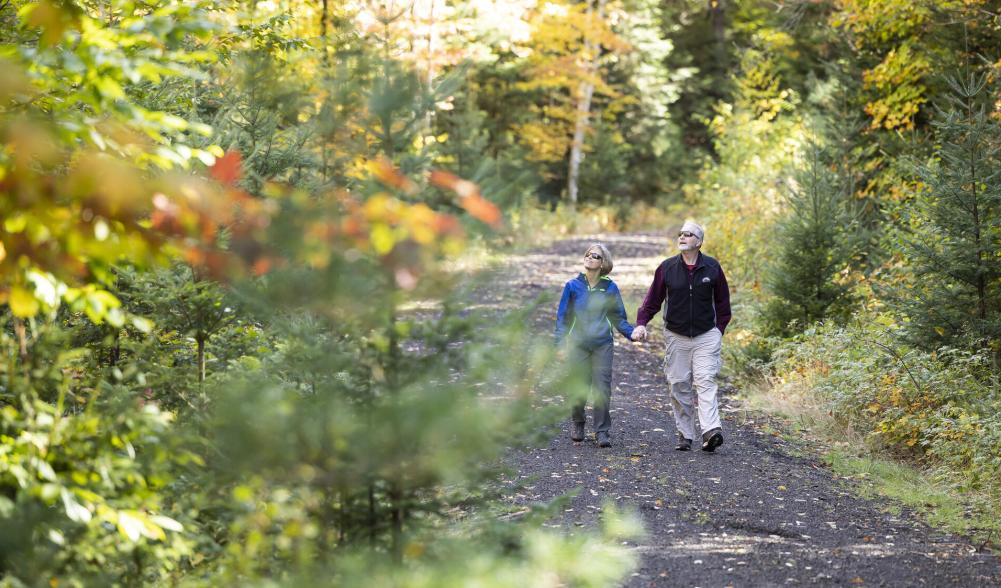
{"x":688,"y":361}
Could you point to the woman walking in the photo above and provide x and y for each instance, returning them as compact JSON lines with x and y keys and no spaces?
{"x":590,"y":306}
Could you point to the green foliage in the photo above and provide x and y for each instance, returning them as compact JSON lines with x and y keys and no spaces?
{"x":84,"y":70}
{"x":273,"y":408}
{"x":604,"y":173}
{"x":743,"y":194}
{"x":941,"y":405}
{"x":463,"y":148}
{"x":370,"y":437}
{"x":301,"y":393}
{"x":84,"y":477}
{"x":189,"y":310}
{"x":953,"y":296}
{"x":811,"y":250}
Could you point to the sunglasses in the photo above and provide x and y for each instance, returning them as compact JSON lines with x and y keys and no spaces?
{"x":686,"y":234}
{"x":593,"y":256}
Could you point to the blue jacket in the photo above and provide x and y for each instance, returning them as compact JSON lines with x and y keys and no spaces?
{"x":585,"y":313}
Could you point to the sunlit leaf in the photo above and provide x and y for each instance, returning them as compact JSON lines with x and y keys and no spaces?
{"x":22,"y":302}
{"x":74,"y":510}
{"x":167,"y":523}
{"x":130,"y":527}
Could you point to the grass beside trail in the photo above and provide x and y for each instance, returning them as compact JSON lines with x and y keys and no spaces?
{"x":807,"y":423}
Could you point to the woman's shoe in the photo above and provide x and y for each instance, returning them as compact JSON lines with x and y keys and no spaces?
{"x":577,"y":432}
{"x":603,"y":439}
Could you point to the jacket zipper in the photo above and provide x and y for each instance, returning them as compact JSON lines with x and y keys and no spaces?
{"x":691,"y":303}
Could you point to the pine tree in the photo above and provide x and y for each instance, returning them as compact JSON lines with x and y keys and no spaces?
{"x":955,"y":294}
{"x":811,"y":250}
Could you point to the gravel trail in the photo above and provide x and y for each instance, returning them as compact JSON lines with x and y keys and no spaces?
{"x":750,"y":514}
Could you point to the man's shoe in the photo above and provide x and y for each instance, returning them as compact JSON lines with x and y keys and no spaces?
{"x":712,"y":439}
{"x":577,"y":432}
{"x":683,"y":444}
{"x":603,"y":439}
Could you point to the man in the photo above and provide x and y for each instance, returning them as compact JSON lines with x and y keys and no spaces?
{"x":696,"y":313}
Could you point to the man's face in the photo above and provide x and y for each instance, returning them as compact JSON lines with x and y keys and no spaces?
{"x":688,"y":241}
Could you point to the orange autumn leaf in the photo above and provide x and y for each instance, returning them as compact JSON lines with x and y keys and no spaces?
{"x":386,"y":172}
{"x":446,"y":224}
{"x":194,"y":256}
{"x":227,"y":169}
{"x":449,"y":181}
{"x":469,"y":197}
{"x":482,"y":209}
{"x":262,"y":266}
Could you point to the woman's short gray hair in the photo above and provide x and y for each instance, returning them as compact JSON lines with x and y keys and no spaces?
{"x":606,"y":257}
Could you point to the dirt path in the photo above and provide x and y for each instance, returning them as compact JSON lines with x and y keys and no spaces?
{"x":750,"y":514}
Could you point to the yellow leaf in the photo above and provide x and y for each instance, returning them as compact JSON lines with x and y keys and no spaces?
{"x":382,"y":239}
{"x":52,"y":19}
{"x":22,"y":302}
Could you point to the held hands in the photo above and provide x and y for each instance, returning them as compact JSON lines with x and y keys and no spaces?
{"x":639,"y":333}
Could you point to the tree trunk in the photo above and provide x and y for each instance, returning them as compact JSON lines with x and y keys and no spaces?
{"x":432,"y":47}
{"x":577,"y":147}
{"x":585,"y":93}
{"x":718,"y":17}
{"x":200,"y":340}
{"x":323,"y":25}
{"x":22,"y":340}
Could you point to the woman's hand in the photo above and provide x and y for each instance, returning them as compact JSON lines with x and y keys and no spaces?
{"x":639,"y":333}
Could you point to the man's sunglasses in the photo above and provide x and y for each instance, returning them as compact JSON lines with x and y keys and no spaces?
{"x":593,"y":256}
{"x":686,"y":234}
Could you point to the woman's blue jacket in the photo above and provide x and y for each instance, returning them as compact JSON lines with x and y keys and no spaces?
{"x":586,"y":315}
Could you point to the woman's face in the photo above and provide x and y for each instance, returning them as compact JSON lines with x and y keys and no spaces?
{"x":592,"y":259}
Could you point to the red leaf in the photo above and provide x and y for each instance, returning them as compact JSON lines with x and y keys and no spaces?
{"x":228,"y":169}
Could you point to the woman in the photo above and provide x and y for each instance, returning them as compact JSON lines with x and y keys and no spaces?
{"x":590,"y":305}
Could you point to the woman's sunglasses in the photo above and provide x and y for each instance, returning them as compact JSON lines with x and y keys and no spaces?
{"x":593,"y":256}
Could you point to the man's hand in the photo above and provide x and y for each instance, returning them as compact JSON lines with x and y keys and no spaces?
{"x":639,"y":333}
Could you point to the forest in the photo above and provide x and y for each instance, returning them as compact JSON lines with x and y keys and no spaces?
{"x":243,"y":246}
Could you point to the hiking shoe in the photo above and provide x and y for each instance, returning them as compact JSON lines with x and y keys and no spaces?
{"x":683,"y":444}
{"x":712,"y":439}
{"x":577,"y":432}
{"x":603,"y":439}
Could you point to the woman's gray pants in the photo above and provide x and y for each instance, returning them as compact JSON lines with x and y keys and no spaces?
{"x":591,"y":371}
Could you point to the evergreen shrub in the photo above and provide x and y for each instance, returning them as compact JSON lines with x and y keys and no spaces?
{"x":942,"y":407}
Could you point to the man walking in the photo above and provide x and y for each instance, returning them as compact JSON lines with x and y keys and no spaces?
{"x":696,"y":313}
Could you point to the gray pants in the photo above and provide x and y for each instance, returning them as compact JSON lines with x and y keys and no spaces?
{"x":693,"y":361}
{"x":591,"y":372}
